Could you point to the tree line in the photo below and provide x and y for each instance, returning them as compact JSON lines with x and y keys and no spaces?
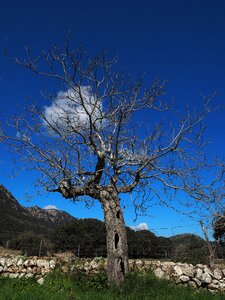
{"x":87,"y":238}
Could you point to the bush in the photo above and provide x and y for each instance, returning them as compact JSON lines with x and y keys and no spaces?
{"x":31,"y":244}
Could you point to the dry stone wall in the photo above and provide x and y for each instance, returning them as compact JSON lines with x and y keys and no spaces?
{"x":198,"y":276}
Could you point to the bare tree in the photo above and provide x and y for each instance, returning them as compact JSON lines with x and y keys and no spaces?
{"x":102,"y":135}
{"x":209,"y":216}
{"x":211,"y":247}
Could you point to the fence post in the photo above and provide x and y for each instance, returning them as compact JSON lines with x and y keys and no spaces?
{"x":7,"y":244}
{"x":40,"y":248}
{"x":78,"y":250}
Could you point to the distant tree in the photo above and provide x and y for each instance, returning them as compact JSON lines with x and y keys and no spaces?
{"x":211,"y":218}
{"x":103,"y":135}
{"x":141,"y":243}
{"x":86,"y":236}
{"x":30,"y":244}
{"x":219,"y":227}
{"x":210,"y":246}
{"x":189,"y":248}
{"x":164,"y":248}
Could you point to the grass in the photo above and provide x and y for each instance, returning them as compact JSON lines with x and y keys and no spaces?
{"x":58,"y":286}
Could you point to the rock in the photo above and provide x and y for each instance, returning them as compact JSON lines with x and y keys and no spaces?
{"x":158,"y":273}
{"x":1,"y":269}
{"x":87,"y":266}
{"x":188,"y":270}
{"x":9,"y":262}
{"x":52,"y":264}
{"x":184,"y":278}
{"x":65,"y":269}
{"x":32,"y":262}
{"x":29,"y":270}
{"x":199,"y":273}
{"x":148,"y":265}
{"x":5,"y":268}
{"x":213,"y":286}
{"x":41,"y":281}
{"x":13,"y":275}
{"x":193,"y":284}
{"x":10,"y":270}
{"x":214,"y":292}
{"x":130,"y":264}
{"x":15,"y":269}
{"x":44,"y":271}
{"x":197,"y":281}
{"x":93,"y":264}
{"x":222,"y":286}
{"x":2,"y":261}
{"x":26,"y":263}
{"x":29,"y":275}
{"x":167,"y":267}
{"x":215,"y":282}
{"x":217,"y":274}
{"x":206,"y":278}
{"x":43,"y":263}
{"x":20,"y":262}
{"x":207,"y":270}
{"x":200,"y":266}
{"x":177,"y":280}
{"x":178,"y":271}
{"x":138,"y":264}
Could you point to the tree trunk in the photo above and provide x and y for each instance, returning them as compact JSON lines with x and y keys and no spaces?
{"x":116,"y":236}
{"x":211,"y":249}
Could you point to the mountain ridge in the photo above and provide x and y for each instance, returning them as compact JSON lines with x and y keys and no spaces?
{"x":15,"y":218}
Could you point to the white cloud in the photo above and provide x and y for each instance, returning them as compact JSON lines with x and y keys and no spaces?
{"x":50,"y":206}
{"x":73,"y":107}
{"x":141,"y":226}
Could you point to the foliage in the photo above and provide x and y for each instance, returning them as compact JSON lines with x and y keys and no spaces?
{"x":86,"y":236}
{"x":90,"y":235}
{"x":189,"y":248}
{"x":219,"y":227}
{"x":31,"y":244}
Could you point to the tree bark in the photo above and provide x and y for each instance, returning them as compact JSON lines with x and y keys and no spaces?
{"x":116,"y":237}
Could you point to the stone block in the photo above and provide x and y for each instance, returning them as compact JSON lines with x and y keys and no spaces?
{"x":184,"y":278}
{"x":158,"y":273}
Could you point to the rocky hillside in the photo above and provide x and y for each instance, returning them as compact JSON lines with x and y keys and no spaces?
{"x":53,"y":217}
{"x":14,"y":218}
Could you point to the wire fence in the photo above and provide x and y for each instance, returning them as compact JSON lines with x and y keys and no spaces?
{"x":190,"y":253}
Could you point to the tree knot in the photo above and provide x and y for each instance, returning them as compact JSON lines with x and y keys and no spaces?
{"x":65,"y":187}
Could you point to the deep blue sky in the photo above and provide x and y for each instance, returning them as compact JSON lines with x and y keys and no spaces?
{"x":180,"y":41}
